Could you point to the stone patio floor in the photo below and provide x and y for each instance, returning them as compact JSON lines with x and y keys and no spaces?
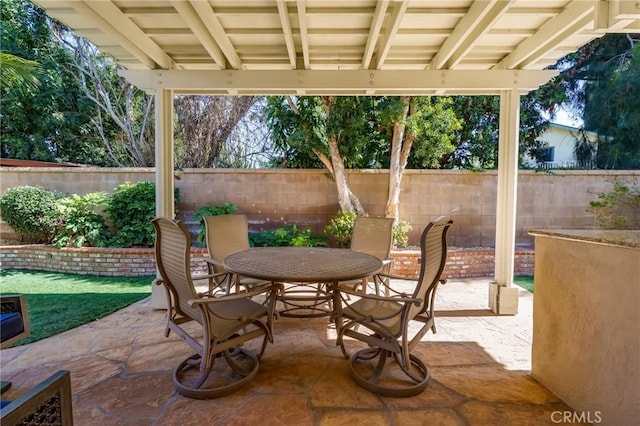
{"x":121,"y":372}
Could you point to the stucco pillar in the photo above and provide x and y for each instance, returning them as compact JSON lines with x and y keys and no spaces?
{"x":503,"y":297}
{"x":164,"y":172}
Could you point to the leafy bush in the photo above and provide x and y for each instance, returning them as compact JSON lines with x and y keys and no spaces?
{"x":619,"y":208}
{"x":340,"y":227}
{"x":290,"y":235}
{"x":211,"y":210}
{"x":25,"y":209}
{"x":130,"y":209}
{"x":78,"y":221}
{"x":400,"y":230}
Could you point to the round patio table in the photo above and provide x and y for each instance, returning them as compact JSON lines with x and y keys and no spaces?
{"x":307,"y":272}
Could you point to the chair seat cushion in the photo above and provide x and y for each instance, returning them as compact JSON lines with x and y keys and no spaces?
{"x":377,"y":309}
{"x":11,"y":325}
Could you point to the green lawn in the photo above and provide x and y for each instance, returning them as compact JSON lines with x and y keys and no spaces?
{"x":524,"y":281}
{"x":58,"y":302}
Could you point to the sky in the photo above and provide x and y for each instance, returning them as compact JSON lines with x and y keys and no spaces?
{"x":563,"y":116}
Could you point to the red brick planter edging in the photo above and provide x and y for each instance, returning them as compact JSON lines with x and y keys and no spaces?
{"x":461,"y":263}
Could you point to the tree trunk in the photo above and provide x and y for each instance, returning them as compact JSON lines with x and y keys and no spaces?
{"x":401,"y":142}
{"x":346,"y":198}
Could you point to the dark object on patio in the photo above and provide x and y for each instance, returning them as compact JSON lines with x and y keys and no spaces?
{"x":387,"y":319}
{"x":374,"y":236}
{"x":227,"y":321}
{"x":14,"y":324}
{"x":49,"y":403}
{"x":227,"y":234}
{"x":14,"y":320}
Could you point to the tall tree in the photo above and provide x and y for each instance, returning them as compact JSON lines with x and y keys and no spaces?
{"x":329,"y":131}
{"x":477,"y":140}
{"x":124,"y":116}
{"x":205,"y":126}
{"x":51,"y":120}
{"x":601,"y":83}
{"x":421,"y":131}
{"x":362,"y":132}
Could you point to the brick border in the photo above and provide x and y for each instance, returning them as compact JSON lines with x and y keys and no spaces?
{"x":461,"y":263}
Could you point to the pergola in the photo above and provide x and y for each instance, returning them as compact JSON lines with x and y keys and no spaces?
{"x":348,"y":47}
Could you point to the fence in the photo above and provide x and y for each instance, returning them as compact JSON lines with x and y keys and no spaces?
{"x":273,"y":198}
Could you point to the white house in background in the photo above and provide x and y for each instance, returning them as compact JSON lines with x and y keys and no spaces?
{"x":560,"y":141}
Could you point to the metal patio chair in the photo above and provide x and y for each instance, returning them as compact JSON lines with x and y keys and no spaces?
{"x":387,"y":367}
{"x":374,"y":236}
{"x":227,"y":234}
{"x":228,"y":321}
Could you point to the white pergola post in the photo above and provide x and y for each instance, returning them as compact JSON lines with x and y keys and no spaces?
{"x":164,"y":172}
{"x":503,"y":297}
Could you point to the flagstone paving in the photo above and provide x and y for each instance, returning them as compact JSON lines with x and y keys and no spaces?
{"x":121,"y":372}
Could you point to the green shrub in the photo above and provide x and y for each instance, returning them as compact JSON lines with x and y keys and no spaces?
{"x":290,"y":235}
{"x":78,"y":221}
{"x":25,"y":209}
{"x":340,"y":227}
{"x":619,"y":208}
{"x":400,"y":233}
{"x":211,"y":210}
{"x":130,"y":209}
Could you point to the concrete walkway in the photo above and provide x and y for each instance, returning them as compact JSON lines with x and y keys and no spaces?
{"x":121,"y":371}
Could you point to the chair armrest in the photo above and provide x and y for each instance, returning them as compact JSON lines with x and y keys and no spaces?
{"x":213,"y":261}
{"x":400,"y":298}
{"x":254,"y":291}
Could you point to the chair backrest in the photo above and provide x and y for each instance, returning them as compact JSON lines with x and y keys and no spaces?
{"x":433,"y":252}
{"x":173,"y":256}
{"x":226,"y":234}
{"x":48,"y":403}
{"x":373,"y":235}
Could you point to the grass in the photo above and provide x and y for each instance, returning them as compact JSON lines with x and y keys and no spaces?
{"x":57,"y":302}
{"x":524,"y":281}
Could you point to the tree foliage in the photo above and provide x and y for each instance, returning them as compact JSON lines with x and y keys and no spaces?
{"x":349,"y":132}
{"x":49,"y":121}
{"x":601,"y":83}
{"x":124,"y":113}
{"x":477,"y":139}
{"x":18,"y":72}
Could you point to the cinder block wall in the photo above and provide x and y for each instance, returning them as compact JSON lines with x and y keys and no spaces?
{"x":272,"y":198}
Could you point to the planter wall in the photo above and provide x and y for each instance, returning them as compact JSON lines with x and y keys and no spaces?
{"x":461,"y":263}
